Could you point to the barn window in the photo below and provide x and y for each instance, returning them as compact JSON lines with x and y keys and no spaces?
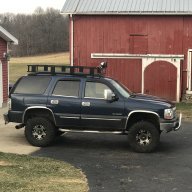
{"x":138,"y":44}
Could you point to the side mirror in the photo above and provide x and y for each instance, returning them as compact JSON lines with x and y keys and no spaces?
{"x":108,"y":95}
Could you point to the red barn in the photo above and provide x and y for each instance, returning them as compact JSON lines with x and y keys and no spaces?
{"x":5,"y":38}
{"x":147,"y":43}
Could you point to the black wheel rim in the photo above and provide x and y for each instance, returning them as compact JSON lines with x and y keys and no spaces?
{"x":143,"y":137}
{"x":39,"y":132}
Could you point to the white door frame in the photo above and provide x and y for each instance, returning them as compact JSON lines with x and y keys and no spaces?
{"x":1,"y":85}
{"x":189,"y":63}
{"x":175,"y":62}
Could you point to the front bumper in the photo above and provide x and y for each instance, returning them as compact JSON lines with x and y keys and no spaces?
{"x":172,"y":125}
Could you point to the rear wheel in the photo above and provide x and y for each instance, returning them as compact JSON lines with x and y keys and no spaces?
{"x":143,"y":137}
{"x":40,"y":131}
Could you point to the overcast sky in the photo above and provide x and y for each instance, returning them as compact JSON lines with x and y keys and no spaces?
{"x":28,"y":6}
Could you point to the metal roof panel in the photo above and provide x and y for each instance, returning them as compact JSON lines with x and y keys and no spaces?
{"x":142,"y":5}
{"x":88,"y":6}
{"x":70,"y":6}
{"x":178,"y":6}
{"x":81,"y":6}
{"x":146,"y":6}
{"x":168,"y":6}
{"x":122,"y":6}
{"x":127,"y":7}
{"x":190,"y":5}
{"x":154,"y":5}
{"x":162,"y":5}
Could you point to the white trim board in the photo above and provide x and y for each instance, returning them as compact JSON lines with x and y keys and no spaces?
{"x":8,"y":73}
{"x":1,"y":85}
{"x":72,"y":40}
{"x":189,"y":68}
{"x":134,"y":56}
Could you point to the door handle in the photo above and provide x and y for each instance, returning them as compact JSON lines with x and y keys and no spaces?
{"x":55,"y":102}
{"x":86,"y":104}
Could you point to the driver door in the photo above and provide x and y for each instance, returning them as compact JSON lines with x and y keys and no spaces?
{"x":98,"y":113}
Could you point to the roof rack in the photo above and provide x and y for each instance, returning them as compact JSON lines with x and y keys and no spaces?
{"x":67,"y":70}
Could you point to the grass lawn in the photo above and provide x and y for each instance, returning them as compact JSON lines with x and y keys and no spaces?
{"x":185,"y":109}
{"x":25,"y":173}
{"x":18,"y":66}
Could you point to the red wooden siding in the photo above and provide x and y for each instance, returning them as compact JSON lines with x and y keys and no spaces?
{"x":3,"y":49}
{"x":161,"y":79}
{"x":131,"y":34}
{"x":130,"y":74}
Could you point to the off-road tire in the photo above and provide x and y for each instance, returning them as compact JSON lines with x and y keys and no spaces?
{"x":40,"y":132}
{"x":143,"y":137}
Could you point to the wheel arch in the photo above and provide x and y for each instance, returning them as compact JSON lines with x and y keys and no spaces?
{"x":142,"y":115}
{"x":38,"y":111}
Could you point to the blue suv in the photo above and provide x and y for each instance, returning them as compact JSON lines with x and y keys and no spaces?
{"x":51,"y":100}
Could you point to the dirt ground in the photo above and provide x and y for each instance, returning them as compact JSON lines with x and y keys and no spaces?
{"x":12,"y":140}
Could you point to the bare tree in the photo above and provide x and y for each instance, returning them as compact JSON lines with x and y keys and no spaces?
{"x":42,"y":32}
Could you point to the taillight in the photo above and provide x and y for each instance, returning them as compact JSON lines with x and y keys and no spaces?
{"x":9,"y":104}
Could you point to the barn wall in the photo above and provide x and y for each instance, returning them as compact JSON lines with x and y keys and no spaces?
{"x":3,"y":48}
{"x":131,"y":34}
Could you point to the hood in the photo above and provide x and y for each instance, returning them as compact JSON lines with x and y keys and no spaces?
{"x":152,"y":100}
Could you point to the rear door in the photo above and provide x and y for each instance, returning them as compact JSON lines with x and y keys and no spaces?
{"x":98,"y":113}
{"x":65,"y":102}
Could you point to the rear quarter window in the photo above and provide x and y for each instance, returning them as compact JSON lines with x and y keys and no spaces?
{"x":32,"y":85}
{"x":67,"y":88}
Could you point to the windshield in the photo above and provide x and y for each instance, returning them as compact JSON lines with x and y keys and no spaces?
{"x":121,"y":88}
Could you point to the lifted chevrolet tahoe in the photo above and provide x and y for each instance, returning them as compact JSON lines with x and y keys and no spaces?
{"x":55,"y":99}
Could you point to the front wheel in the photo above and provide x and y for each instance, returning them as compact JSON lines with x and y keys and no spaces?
{"x":40,"y":131}
{"x":143,"y":137}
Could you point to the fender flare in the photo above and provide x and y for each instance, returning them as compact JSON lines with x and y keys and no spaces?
{"x":37,"y":107}
{"x":140,"y":111}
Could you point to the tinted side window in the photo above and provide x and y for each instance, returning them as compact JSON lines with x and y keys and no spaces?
{"x":67,"y":88}
{"x":32,"y":85}
{"x":95,"y":90}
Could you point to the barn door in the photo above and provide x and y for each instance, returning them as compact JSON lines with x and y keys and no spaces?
{"x":1,"y":85}
{"x":160,"y":79}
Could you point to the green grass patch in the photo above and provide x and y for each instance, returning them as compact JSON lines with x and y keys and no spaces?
{"x":184,"y":106}
{"x":185,"y":109}
{"x":18,"y":65}
{"x":21,"y":173}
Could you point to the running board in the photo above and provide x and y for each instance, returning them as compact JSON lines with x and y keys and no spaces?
{"x":98,"y":132}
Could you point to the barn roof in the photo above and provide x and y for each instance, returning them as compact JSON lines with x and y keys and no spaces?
{"x":7,"y":36}
{"x":128,"y":7}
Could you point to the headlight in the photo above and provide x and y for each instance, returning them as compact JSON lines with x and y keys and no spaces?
{"x":169,"y":113}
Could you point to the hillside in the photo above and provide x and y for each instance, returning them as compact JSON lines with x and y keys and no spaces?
{"x":18,"y":66}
